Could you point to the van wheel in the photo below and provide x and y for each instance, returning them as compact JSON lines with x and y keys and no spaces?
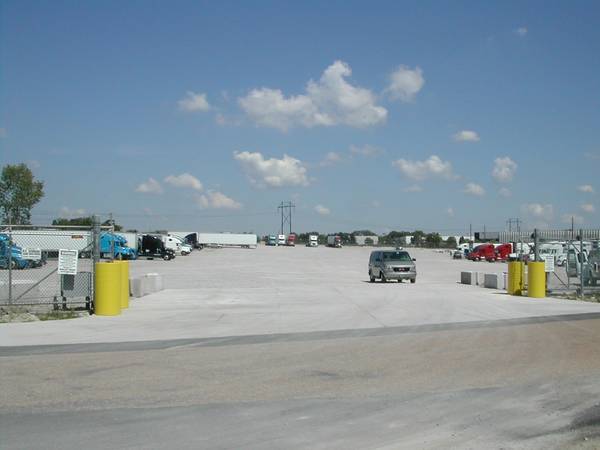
{"x":371,"y":277}
{"x":413,"y":280}
{"x":383,"y":278}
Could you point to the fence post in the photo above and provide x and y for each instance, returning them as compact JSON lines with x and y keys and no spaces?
{"x":581,"y":277}
{"x":9,"y":250}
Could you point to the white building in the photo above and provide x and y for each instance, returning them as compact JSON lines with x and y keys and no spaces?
{"x":362,"y":240}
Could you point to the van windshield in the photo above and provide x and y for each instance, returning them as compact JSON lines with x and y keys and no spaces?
{"x":396,"y":256}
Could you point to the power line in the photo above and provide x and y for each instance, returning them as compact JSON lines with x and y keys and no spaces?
{"x":286,"y":215}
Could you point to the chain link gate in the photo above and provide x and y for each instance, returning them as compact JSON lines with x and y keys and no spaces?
{"x":30,"y":257}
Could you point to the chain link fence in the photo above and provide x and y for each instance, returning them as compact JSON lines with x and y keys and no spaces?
{"x":573,"y":257}
{"x":51,"y":265}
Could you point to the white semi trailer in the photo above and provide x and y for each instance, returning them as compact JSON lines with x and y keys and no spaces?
{"x":54,"y":240}
{"x":227,"y":240}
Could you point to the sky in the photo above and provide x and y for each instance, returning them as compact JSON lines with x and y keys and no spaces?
{"x":379,"y":115}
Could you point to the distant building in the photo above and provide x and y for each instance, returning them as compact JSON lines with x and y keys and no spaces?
{"x":362,"y":240}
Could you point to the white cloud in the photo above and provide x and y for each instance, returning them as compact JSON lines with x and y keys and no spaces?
{"x":450,"y":212}
{"x":365,"y":150}
{"x":419,"y":170}
{"x":331,"y":159}
{"x":194,"y":102}
{"x":466,"y":136}
{"x":538,"y":211}
{"x":151,"y":186}
{"x":572,"y":218}
{"x":474,"y":189}
{"x":588,"y":188}
{"x":327,"y":102}
{"x":68,"y":213}
{"x":504,"y":192}
{"x":322,"y":210}
{"x":504,"y":169}
{"x":588,"y":208}
{"x":405,"y":83}
{"x":272,"y":172}
{"x":413,"y":188}
{"x":521,"y":31}
{"x":216,"y":200}
{"x":185,"y":180}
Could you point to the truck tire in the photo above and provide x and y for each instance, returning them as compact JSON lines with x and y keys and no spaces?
{"x":413,"y":280}
{"x":382,"y":277}
{"x":371,"y":277}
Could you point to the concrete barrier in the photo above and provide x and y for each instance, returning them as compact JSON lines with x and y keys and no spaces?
{"x":145,"y":285}
{"x":467,"y":278}
{"x":136,"y":288}
{"x":492,"y":280}
{"x":153,"y":282}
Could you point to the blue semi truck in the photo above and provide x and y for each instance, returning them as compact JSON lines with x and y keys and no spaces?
{"x":11,"y":255}
{"x":119,"y":246}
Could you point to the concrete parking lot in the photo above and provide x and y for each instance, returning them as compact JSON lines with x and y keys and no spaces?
{"x":294,"y":348}
{"x":232,"y":292}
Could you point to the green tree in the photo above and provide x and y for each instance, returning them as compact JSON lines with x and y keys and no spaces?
{"x":19,"y":193}
{"x":418,"y":237}
{"x":81,"y":221}
{"x":84,"y":222}
{"x":433,"y":240}
{"x":451,"y":242}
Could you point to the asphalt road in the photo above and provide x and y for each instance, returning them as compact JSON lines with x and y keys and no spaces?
{"x":520,"y":383}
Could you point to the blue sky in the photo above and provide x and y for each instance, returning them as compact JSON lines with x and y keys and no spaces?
{"x":380,"y":115}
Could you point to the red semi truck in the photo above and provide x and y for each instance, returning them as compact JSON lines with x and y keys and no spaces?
{"x":482,"y":251}
{"x":291,"y":240}
{"x":501,"y":253}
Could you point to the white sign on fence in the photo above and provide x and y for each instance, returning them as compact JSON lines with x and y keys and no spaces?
{"x":549,"y":260}
{"x":67,"y":262}
{"x":32,"y":254}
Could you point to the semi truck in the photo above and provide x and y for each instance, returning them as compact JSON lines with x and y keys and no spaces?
{"x":501,"y":253}
{"x":281,"y":239}
{"x":118,"y":245}
{"x":482,"y":251}
{"x":313,"y":241}
{"x":150,"y":247}
{"x":291,"y":240}
{"x":11,"y":255}
{"x":227,"y":240}
{"x":271,"y":241}
{"x":333,"y":240}
{"x":130,"y":237}
{"x":187,"y":237}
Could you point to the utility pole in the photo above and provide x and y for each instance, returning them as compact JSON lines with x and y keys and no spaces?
{"x":470,"y":237}
{"x":286,"y":215}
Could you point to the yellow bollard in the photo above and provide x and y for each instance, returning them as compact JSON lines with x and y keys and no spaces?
{"x":536,"y":280}
{"x":124,"y":284}
{"x":515,"y":277}
{"x":107,"y":284}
